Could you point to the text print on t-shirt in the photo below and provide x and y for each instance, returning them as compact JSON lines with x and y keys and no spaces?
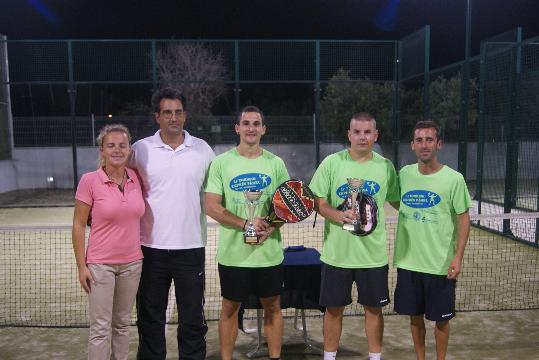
{"x":251,"y":181}
{"x":369,"y":187}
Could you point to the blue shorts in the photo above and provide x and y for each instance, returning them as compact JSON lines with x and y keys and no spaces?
{"x":419,"y":293}
{"x":336,"y":286}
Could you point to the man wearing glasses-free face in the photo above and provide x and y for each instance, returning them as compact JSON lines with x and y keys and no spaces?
{"x":172,"y":165}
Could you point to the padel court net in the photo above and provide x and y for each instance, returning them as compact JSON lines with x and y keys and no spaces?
{"x":39,"y":283}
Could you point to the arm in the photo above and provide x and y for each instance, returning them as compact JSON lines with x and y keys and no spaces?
{"x":80,"y":218}
{"x":216,"y":211}
{"x":463,"y":231}
{"x":332,"y":214}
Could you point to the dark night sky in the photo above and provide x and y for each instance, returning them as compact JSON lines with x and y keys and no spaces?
{"x":256,"y":19}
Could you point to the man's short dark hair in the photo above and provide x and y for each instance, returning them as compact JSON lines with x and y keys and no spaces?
{"x":428,"y":124}
{"x":166,"y":93}
{"x":363,"y":116}
{"x":250,"y":108}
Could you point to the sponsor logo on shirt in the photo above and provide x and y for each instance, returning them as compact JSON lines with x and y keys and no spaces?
{"x":423,"y":216}
{"x":251,"y":181}
{"x":420,"y":199}
{"x":369,"y":187}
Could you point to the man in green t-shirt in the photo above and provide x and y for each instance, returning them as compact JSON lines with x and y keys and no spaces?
{"x":432,"y":232}
{"x":347,"y":258}
{"x":243,"y":268}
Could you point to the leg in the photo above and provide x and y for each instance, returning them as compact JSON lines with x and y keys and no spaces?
{"x":273,"y":324}
{"x":152,"y":300}
{"x":417,"y":326}
{"x":100,"y":302}
{"x":441,"y":334}
{"x":374,"y":328}
{"x":127,"y":281}
{"x":373,"y":294}
{"x":228,"y":327}
{"x":332,"y":328}
{"x":189,"y":282}
{"x":335,"y":294}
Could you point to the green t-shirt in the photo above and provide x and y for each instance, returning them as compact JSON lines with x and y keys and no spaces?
{"x":427,"y":228}
{"x":341,"y":248}
{"x":229,"y":175}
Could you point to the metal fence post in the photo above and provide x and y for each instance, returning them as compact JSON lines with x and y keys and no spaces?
{"x":71,"y":89}
{"x":154,"y":67}
{"x":396,"y":104}
{"x":481,"y":127}
{"x":317,"y":104}
{"x":465,"y":98}
{"x":463,"y":118}
{"x":511,"y":124}
{"x":237,"y":87}
{"x":426,"y":76}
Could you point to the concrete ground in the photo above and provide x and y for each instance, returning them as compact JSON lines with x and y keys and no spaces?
{"x":497,"y":335}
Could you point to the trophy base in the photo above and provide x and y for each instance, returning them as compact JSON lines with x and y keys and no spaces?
{"x":251,"y":240}
{"x":349,"y":227}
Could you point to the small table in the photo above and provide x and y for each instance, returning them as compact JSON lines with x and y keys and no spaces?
{"x":301,"y":290}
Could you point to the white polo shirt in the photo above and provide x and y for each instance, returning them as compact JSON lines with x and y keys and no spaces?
{"x":173,"y":182}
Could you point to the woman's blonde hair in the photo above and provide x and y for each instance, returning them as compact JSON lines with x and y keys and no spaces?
{"x":107,"y":129}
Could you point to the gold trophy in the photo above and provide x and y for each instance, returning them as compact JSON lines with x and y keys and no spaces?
{"x":354,"y":188}
{"x":251,"y":197}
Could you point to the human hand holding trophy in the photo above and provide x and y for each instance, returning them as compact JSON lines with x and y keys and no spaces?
{"x":252,"y":197}
{"x":360,"y":212}
{"x":354,"y":191}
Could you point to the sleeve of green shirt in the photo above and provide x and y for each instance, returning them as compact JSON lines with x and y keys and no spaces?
{"x":215,"y":182}
{"x":461,"y":197}
{"x":320,"y":182}
{"x":393,"y":191}
{"x":283,"y":172}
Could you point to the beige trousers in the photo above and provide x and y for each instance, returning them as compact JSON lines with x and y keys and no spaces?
{"x":110,"y":302}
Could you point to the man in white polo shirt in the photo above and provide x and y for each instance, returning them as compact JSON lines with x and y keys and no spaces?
{"x":172,"y":165}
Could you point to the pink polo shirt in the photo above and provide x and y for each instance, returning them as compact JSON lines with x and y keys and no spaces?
{"x":115,"y":231}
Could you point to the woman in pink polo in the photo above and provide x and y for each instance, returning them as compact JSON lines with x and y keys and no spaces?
{"x":109,"y":198}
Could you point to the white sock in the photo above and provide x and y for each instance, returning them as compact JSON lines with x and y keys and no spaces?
{"x":328,"y":355}
{"x":375,"y":356}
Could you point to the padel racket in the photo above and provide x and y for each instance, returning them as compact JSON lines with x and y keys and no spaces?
{"x":292,"y":202}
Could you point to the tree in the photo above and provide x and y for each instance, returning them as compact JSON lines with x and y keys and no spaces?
{"x":343,"y":97}
{"x":196,"y":71}
{"x":445,"y":98}
{"x":199,"y":73}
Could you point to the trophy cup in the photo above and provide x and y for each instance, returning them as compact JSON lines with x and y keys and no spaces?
{"x":251,"y":197}
{"x":354,"y":188}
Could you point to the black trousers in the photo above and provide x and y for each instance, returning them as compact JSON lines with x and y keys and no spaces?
{"x":159,"y":268}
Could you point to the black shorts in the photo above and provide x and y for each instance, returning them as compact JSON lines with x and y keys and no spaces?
{"x":420,"y":293}
{"x":336,"y":286}
{"x":237,"y":283}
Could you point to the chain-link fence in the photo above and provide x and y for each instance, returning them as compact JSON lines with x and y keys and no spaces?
{"x":62,"y":92}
